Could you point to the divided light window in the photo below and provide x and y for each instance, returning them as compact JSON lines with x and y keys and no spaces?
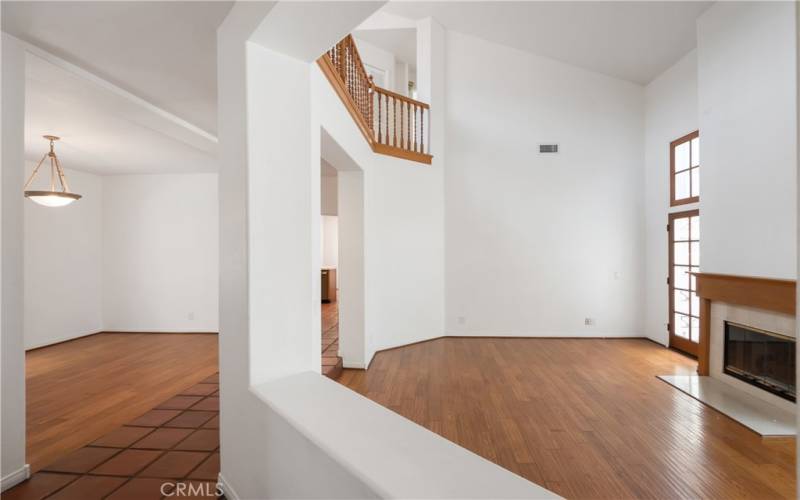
{"x":684,"y":168}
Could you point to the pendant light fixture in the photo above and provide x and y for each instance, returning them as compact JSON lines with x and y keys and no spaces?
{"x":51,"y":198}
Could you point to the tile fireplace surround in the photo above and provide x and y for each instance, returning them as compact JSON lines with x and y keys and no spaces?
{"x":766,"y":304}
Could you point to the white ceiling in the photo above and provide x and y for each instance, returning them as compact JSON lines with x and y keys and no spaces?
{"x":105,"y":130}
{"x":163,"y":52}
{"x":634,"y":41}
{"x":401,"y":42}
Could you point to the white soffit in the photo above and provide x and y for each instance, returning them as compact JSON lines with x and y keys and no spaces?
{"x":630,"y":40}
{"x":334,"y":155}
{"x":402,"y":42}
{"x":326,"y":169}
{"x":162,"y":51}
{"x":104,"y":129}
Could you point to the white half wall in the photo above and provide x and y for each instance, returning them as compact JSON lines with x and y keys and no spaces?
{"x":537,"y":243}
{"x":748,"y":134}
{"x":160,"y":253}
{"x":671,"y":113}
{"x":64,"y":264}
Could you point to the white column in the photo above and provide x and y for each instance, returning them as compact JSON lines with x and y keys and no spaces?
{"x":283,"y":208}
{"x":431,"y":82}
{"x":431,"y":39}
{"x":11,"y":264}
{"x":239,"y":419}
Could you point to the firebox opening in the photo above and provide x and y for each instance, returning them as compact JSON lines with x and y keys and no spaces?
{"x":761,"y":358}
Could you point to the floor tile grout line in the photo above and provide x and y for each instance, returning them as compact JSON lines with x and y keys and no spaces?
{"x":216,"y":450}
{"x":119,"y":450}
{"x":123,"y":483}
{"x":78,"y":476}
{"x":162,"y":452}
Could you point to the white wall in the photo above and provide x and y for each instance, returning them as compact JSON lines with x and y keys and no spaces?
{"x":378,"y":58}
{"x":329,"y":189}
{"x":350,"y":279}
{"x":748,"y":128}
{"x":160,"y":253}
{"x":537,"y":243}
{"x":64,"y":264}
{"x":330,"y":194}
{"x":330,"y":241}
{"x":403,"y":235}
{"x":671,"y":112}
{"x":401,"y":71}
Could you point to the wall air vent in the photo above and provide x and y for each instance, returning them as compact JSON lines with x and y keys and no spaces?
{"x":548,"y":148}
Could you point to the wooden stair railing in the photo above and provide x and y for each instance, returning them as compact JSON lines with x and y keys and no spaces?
{"x":392,"y":124}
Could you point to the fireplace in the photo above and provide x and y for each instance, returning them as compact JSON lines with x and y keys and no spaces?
{"x":760,"y":358}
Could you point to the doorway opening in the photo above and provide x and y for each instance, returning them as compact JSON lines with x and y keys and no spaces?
{"x":342,"y":284}
{"x":329,"y":238}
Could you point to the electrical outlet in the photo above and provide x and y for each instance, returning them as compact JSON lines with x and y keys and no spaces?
{"x":191,"y":316}
{"x":588,"y":321}
{"x":462,"y":320}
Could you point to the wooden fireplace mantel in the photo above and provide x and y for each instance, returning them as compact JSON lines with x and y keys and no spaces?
{"x":760,"y":293}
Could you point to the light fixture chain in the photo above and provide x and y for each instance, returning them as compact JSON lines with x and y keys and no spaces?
{"x":33,"y":174}
{"x":61,"y":176}
{"x":52,"y":174}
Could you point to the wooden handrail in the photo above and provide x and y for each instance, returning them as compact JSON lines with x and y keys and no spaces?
{"x":392,"y":123}
{"x":401,"y":97}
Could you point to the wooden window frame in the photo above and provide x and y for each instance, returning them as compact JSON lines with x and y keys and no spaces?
{"x":672,"y":145}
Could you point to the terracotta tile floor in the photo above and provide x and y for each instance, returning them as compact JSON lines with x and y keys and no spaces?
{"x":175,"y":445}
{"x":331,"y":361}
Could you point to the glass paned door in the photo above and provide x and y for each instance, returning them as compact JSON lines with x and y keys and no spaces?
{"x":684,"y":259}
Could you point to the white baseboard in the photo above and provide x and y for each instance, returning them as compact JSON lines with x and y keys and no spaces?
{"x":156,"y":330}
{"x":370,"y":357}
{"x":359,"y":365}
{"x":15,"y":477}
{"x":542,"y":335}
{"x":230,"y":493}
{"x":58,"y":340}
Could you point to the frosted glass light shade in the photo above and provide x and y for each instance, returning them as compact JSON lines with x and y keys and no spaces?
{"x":52,"y":198}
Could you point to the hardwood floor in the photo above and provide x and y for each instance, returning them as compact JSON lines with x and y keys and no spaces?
{"x":586,"y":418}
{"x":80,"y":390}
